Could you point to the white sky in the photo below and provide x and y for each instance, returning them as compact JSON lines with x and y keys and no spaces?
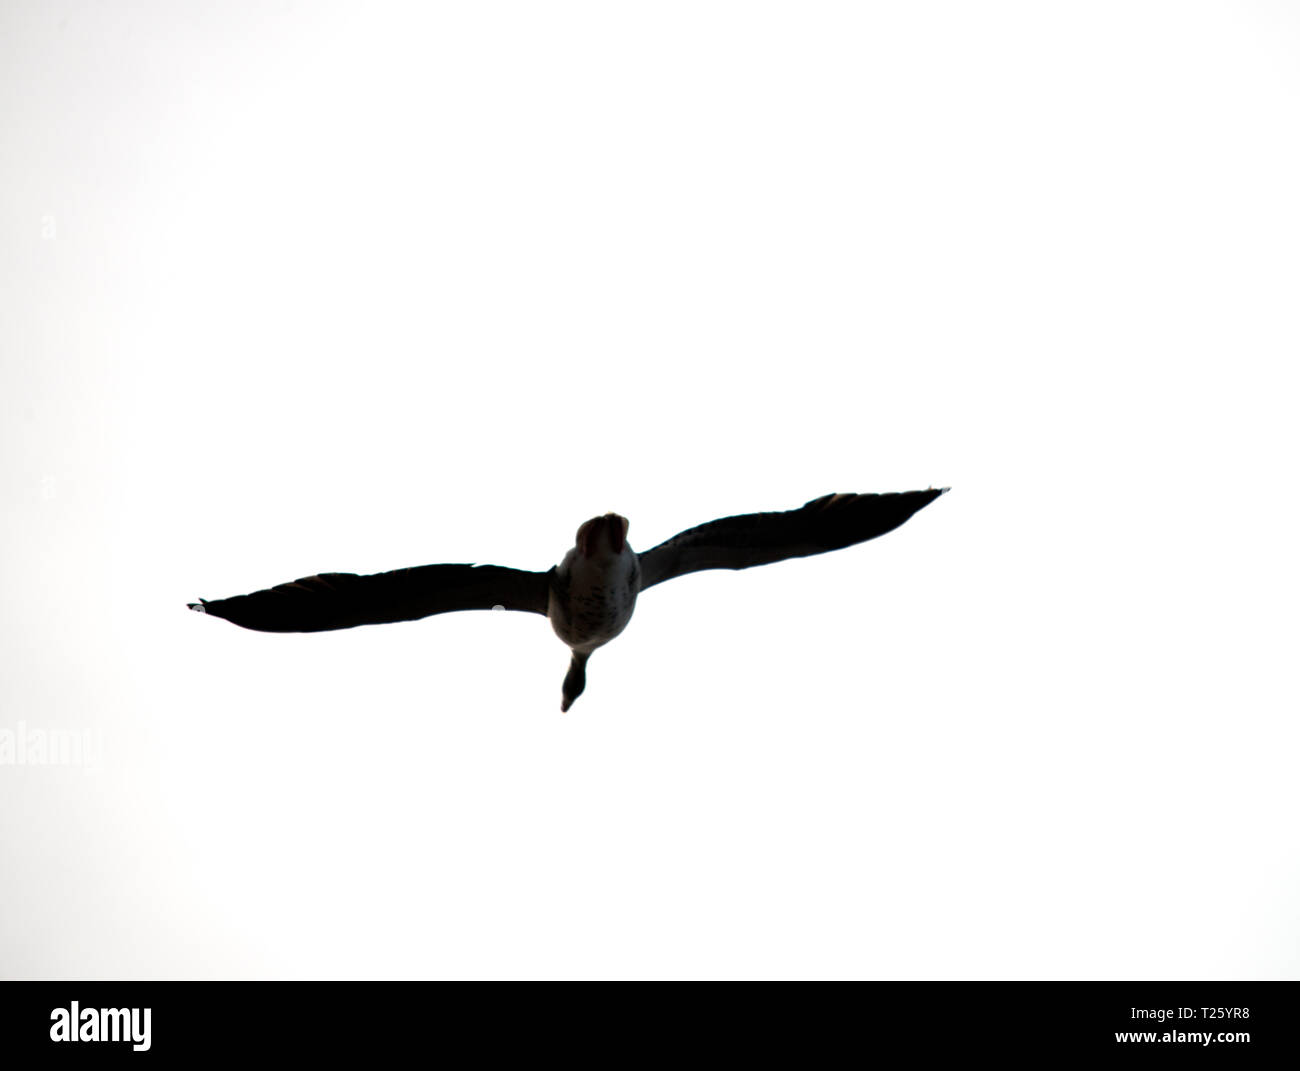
{"x":294,"y":287}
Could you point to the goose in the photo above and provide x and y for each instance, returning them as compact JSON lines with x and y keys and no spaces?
{"x":590,"y":596}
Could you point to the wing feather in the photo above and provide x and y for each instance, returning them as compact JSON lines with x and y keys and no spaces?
{"x":827,"y":523}
{"x":345,"y":600}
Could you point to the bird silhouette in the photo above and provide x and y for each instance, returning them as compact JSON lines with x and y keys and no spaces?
{"x":590,"y":596}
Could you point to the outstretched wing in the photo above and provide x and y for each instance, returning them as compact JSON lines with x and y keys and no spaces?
{"x":826,"y":523}
{"x":345,"y":600}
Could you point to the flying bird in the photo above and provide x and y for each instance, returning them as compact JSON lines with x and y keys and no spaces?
{"x":589,"y":597}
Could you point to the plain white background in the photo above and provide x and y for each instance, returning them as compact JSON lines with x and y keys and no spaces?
{"x":297,"y":287}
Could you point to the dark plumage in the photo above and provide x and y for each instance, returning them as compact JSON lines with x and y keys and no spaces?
{"x":344,"y":600}
{"x":590,"y":596}
{"x":831,"y":522}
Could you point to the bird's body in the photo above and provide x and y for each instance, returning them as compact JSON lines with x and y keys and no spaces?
{"x":590,"y":596}
{"x":594,"y":589}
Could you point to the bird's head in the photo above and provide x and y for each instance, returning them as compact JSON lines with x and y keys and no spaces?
{"x":602,"y":534}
